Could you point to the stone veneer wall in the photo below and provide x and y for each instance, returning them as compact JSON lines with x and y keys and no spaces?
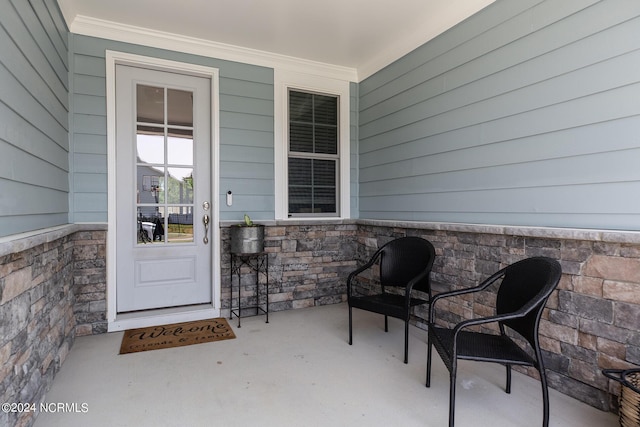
{"x":591,"y":320}
{"x":308,"y":264}
{"x":38,"y":317}
{"x":90,"y":281}
{"x":53,"y":288}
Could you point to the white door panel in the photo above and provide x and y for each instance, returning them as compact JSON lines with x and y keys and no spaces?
{"x":164,"y":176}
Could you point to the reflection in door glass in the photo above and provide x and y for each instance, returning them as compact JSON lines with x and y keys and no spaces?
{"x":180,"y":185}
{"x":179,"y":107}
{"x":150,"y":185}
{"x":180,"y":147}
{"x":151,"y":224}
{"x":180,"y":224}
{"x":165,"y":165}
{"x":150,"y":104}
{"x":150,"y":145}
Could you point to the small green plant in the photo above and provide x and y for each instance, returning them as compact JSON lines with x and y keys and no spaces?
{"x":247,"y":222}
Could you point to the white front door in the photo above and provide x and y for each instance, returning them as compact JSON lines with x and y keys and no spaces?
{"x":163,"y":185}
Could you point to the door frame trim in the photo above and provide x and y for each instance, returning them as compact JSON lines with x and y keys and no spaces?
{"x":116,"y":322}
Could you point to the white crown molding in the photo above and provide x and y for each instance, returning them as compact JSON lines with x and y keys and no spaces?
{"x":88,"y":26}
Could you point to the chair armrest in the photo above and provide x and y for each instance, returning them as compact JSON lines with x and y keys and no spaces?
{"x":359,"y":270}
{"x":483,"y":320}
{"x":412,"y":283}
{"x":486,"y":283}
{"x":523,"y":311}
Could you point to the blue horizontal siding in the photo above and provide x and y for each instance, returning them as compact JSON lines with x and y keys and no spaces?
{"x":524,"y":114}
{"x":34,"y":107}
{"x":246,"y":130}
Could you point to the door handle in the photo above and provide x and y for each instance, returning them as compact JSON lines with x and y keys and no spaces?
{"x":205,"y":220}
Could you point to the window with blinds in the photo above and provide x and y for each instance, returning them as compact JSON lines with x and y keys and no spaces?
{"x":313,"y":159}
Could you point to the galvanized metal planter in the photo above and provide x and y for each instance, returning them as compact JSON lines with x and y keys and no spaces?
{"x":247,"y":239}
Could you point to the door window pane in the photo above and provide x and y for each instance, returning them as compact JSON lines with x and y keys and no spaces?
{"x":180,"y":224}
{"x":165,"y":165}
{"x":180,"y":185}
{"x":150,"y":184}
{"x":150,"y":145}
{"x":150,"y":104}
{"x":179,"y":107}
{"x":151,"y":224}
{"x":180,"y":147}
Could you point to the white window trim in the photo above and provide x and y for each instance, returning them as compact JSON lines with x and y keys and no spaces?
{"x":283,"y":81}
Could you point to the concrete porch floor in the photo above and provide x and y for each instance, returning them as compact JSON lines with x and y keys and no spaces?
{"x":297,"y":370}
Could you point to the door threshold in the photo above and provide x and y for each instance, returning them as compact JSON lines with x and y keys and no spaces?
{"x":162,"y":316}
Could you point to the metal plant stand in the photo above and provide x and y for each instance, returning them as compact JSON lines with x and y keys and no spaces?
{"x":258,"y":263}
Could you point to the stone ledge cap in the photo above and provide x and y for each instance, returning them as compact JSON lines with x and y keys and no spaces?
{"x":24,"y":241}
{"x":611,"y":236}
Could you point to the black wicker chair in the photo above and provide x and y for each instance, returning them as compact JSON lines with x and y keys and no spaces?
{"x":526,"y":285}
{"x":405,"y":267}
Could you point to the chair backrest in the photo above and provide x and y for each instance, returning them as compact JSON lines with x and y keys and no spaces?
{"x":527,"y":282}
{"x":403,"y":259}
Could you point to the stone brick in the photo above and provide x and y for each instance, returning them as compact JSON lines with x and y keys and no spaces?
{"x":572,"y":250}
{"x":556,"y":361}
{"x":612,"y":348}
{"x":627,"y":315}
{"x":586,"y":307}
{"x":606,"y":361}
{"x":16,"y":283}
{"x":603,"y":330}
{"x":588,"y":285}
{"x":587,"y":372}
{"x":304,"y":303}
{"x":583,"y":392}
{"x":275,"y":231}
{"x":5,"y":353}
{"x":83,"y":330}
{"x":563,"y":318}
{"x":550,"y":345}
{"x":622,"y":291}
{"x":576,"y":352}
{"x":289,"y":246}
{"x":633,"y":354}
{"x":587,"y":341}
{"x":559,"y":332}
{"x":613,"y":268}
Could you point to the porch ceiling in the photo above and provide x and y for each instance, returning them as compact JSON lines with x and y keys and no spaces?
{"x":357,"y":34}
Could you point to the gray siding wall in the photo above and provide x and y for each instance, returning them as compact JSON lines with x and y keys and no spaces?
{"x":34,"y":105}
{"x":246,"y":130}
{"x":527,"y":113}
{"x":353,"y":177}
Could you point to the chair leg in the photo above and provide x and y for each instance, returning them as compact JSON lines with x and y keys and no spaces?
{"x":350,"y":322}
{"x":508,"y":387}
{"x":452,"y":394}
{"x":429,"y":363}
{"x":545,"y":397}
{"x":406,"y":341}
{"x":386,"y":323}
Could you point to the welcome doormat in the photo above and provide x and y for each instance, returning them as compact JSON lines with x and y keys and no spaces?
{"x":175,"y":335}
